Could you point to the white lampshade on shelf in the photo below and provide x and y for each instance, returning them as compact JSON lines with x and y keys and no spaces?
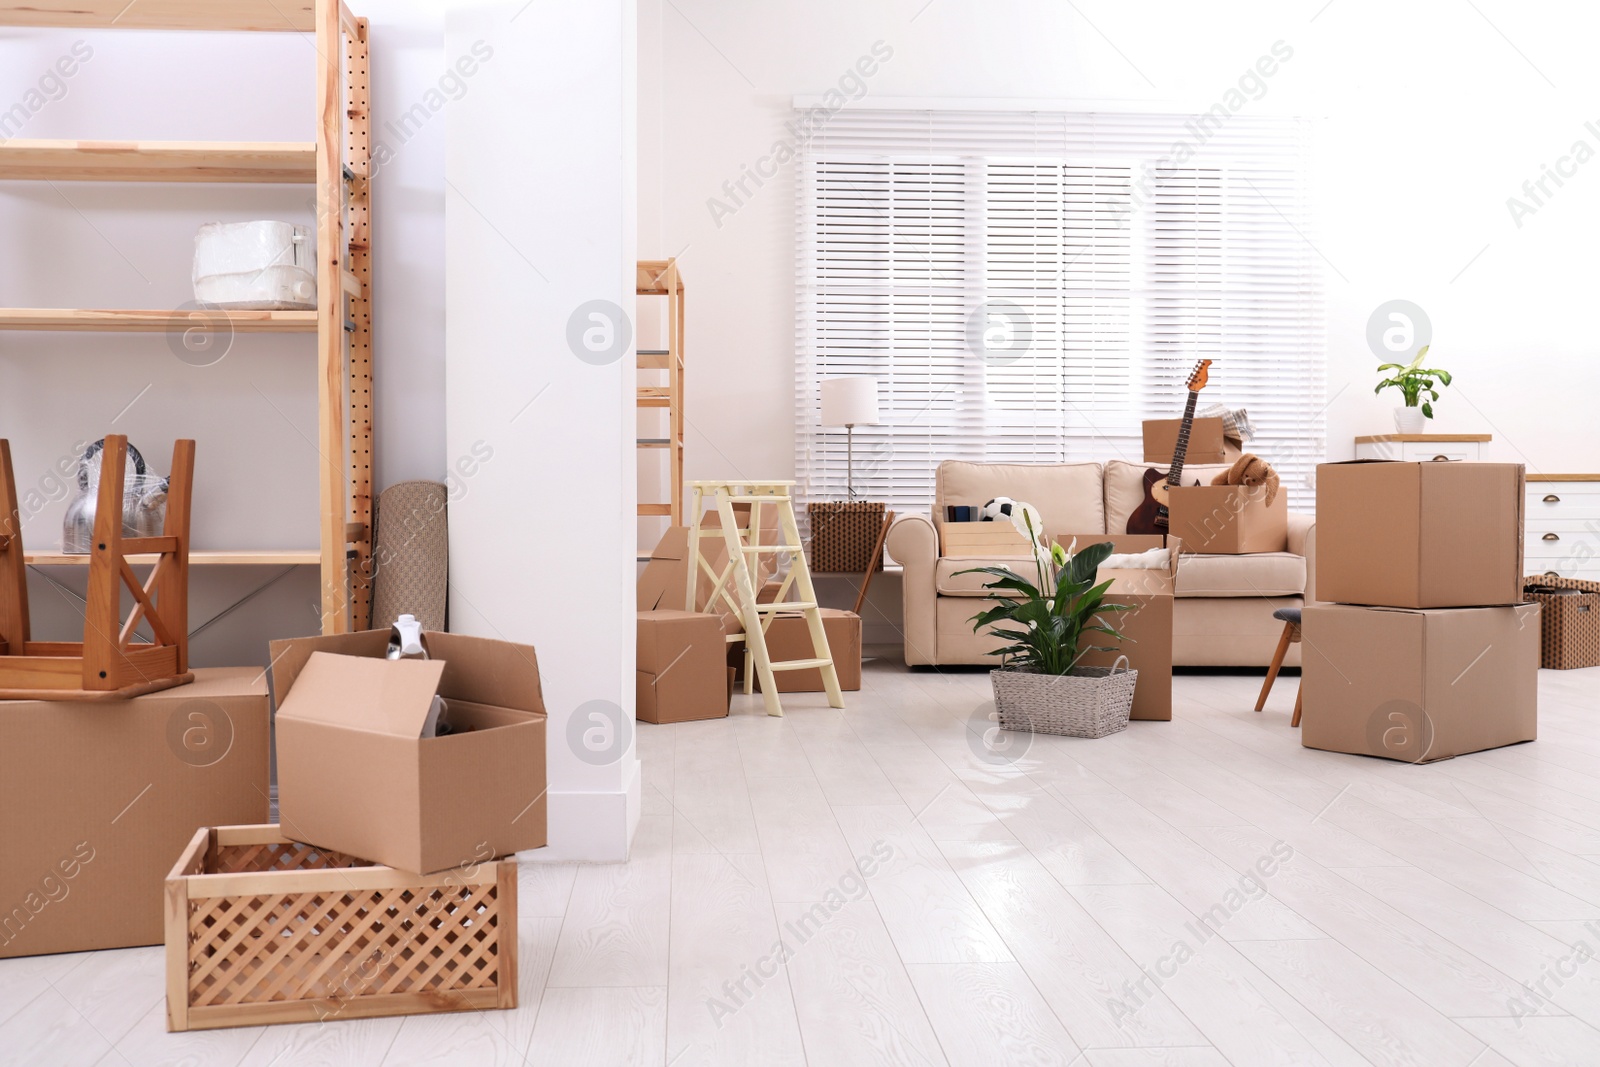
{"x":850,"y":402}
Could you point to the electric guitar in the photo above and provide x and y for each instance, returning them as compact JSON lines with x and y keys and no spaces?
{"x":1150,"y":517}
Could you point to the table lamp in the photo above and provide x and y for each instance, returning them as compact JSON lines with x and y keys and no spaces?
{"x":850,"y":402}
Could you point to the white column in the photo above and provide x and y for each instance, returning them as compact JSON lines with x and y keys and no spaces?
{"x":540,"y":223}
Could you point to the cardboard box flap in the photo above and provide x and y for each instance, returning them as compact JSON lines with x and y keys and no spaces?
{"x":289,"y":655}
{"x":377,"y":696}
{"x":487,"y":672}
{"x":1155,"y":582}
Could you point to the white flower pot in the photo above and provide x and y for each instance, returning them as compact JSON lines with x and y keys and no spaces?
{"x":1409,"y":420}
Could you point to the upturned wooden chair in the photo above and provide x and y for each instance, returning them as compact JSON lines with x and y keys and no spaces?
{"x":108,"y":663}
{"x":1291,"y":635}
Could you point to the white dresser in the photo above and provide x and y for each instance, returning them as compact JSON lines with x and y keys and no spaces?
{"x":1563,"y":525}
{"x":1422,"y":447}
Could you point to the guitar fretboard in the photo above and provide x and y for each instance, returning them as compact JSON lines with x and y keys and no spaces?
{"x":1180,"y":450}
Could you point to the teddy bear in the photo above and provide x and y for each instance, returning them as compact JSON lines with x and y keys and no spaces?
{"x":1250,"y":469}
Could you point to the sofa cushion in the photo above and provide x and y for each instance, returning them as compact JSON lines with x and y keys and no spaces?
{"x":1124,"y":488}
{"x":1068,"y":495}
{"x":948,"y":580}
{"x":1255,"y":574}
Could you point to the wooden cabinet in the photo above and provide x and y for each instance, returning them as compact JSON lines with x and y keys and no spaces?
{"x":1563,"y":525}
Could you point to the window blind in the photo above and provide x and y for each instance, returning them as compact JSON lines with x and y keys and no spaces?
{"x":1030,"y":286}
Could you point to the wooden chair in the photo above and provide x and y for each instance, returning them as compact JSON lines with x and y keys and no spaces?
{"x":1291,"y":635}
{"x":108,"y":664}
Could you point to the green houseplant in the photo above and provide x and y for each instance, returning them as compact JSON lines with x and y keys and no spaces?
{"x":1413,"y":380}
{"x":1049,"y":625}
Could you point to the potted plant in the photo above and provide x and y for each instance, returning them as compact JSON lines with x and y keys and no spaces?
{"x":1039,"y":684}
{"x":1413,"y":379}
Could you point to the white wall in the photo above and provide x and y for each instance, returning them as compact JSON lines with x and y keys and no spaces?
{"x":1433,"y":118}
{"x":107,"y":245}
{"x":542,"y":225}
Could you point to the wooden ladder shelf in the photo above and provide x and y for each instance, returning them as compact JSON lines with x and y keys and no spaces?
{"x":660,"y":277}
{"x":108,"y":664}
{"x":736,"y":582}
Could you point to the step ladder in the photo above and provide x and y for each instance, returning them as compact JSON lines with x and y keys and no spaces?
{"x":735,"y":584}
{"x":660,"y":277}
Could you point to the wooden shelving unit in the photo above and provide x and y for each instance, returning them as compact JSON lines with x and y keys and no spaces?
{"x":338,"y":165}
{"x":660,"y":277}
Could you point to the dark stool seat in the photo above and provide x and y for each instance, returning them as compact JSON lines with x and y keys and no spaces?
{"x":1290,"y":617}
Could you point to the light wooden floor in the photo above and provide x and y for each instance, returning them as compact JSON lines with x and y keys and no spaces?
{"x":1036,"y":907}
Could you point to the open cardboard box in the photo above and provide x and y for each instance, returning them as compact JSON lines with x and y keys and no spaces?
{"x":1420,"y":535}
{"x":1206,"y":443}
{"x":1148,"y":627}
{"x":664,"y":584}
{"x":1229,"y":519}
{"x":1417,"y":684}
{"x":355,"y":775}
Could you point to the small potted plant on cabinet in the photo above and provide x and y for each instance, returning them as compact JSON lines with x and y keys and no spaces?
{"x":1039,"y":685}
{"x":1413,"y":380}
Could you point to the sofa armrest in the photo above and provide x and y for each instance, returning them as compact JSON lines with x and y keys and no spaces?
{"x":914,"y":543}
{"x":1303,"y":542}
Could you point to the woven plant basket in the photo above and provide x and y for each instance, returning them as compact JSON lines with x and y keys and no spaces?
{"x":1089,"y":702}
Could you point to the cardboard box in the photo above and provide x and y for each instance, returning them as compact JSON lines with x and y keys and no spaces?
{"x":1419,"y":535}
{"x":790,"y":638}
{"x":1147,"y":628}
{"x":681,"y":669}
{"x":355,"y":774}
{"x":98,"y":799}
{"x":1229,"y":520}
{"x":1205,"y":441}
{"x":982,"y":539}
{"x":1418,"y":684}
{"x":665,"y":580}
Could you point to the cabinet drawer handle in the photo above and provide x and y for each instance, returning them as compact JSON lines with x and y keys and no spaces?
{"x":1441,"y":459}
{"x":1551,"y":498}
{"x":1552,"y":537}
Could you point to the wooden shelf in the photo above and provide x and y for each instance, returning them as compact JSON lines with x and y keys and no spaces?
{"x":1564,"y":478}
{"x":297,"y":16}
{"x":160,"y":161}
{"x":241,"y":558}
{"x":106,"y":321}
{"x":1423,"y":438}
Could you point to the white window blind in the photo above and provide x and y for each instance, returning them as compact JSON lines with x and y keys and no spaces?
{"x":1030,"y":286}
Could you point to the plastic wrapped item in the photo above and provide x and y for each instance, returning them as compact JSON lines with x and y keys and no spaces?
{"x":256,"y":266}
{"x":1235,"y":421}
{"x":144,"y":501}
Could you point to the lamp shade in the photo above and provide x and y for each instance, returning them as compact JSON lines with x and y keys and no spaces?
{"x":850,"y":402}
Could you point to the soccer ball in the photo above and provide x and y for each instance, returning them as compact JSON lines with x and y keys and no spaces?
{"x":997,"y":509}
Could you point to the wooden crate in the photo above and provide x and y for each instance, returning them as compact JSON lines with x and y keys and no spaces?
{"x":981,"y":539}
{"x":262,"y":929}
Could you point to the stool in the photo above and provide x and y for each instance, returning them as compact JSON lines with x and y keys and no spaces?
{"x":1291,"y":635}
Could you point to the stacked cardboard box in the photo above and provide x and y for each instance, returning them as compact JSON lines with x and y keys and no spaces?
{"x":1428,"y":651}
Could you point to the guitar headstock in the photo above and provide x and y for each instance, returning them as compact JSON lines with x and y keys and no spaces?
{"x":1199,"y":377}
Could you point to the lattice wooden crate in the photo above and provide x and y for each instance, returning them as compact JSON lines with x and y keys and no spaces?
{"x":262,"y":929}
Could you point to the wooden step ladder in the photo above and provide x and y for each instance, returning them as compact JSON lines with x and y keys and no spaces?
{"x":735,"y":584}
{"x":660,"y":277}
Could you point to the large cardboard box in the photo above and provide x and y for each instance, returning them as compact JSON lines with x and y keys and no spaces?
{"x":1419,"y":535}
{"x":1147,"y":628}
{"x":355,"y":774}
{"x":1229,"y":519}
{"x":790,"y":638}
{"x":1418,"y":684}
{"x":681,"y":667}
{"x":98,"y":800}
{"x":1205,"y":441}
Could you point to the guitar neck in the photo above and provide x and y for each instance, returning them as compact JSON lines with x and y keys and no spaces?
{"x":1180,"y":450}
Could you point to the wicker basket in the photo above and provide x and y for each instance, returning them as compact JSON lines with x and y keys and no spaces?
{"x":844,"y":534}
{"x":1569,"y":623}
{"x":1089,"y":702}
{"x":263,"y":929}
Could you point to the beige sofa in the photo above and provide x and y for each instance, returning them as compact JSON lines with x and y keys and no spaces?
{"x":1223,"y":612}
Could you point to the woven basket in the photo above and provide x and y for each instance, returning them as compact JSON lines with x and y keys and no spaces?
{"x":1089,"y":702}
{"x":844,"y":534}
{"x":1569,"y":625}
